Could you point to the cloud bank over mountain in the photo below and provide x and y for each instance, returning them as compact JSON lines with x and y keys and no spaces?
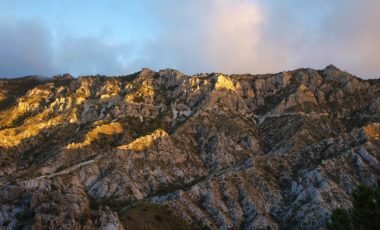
{"x":231,"y":36}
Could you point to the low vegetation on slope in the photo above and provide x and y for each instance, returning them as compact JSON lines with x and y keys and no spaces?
{"x":151,"y":216}
{"x":365,"y":213}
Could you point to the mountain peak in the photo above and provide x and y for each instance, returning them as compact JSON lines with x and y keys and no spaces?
{"x":331,"y":67}
{"x":65,"y":76}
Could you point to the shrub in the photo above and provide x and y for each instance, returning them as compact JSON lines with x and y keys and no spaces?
{"x":365,"y":213}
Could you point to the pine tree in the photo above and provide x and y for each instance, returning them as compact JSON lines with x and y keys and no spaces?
{"x":365,"y":213}
{"x":366,"y":207}
{"x":340,"y":220}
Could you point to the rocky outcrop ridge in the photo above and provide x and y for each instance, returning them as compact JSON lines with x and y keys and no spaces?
{"x":221,"y":151}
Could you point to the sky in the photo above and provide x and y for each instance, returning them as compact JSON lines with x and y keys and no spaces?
{"x":111,"y":37}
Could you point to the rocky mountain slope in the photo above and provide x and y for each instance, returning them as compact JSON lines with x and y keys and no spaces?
{"x":274,"y":151}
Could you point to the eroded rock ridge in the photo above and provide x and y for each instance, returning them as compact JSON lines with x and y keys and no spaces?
{"x":220,"y":151}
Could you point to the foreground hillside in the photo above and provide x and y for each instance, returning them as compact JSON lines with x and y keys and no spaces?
{"x":166,"y":150}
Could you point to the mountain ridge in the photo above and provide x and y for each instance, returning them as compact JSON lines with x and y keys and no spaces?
{"x":147,"y":69}
{"x":223,"y":151}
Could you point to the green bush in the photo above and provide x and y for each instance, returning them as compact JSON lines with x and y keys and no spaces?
{"x":340,"y":220}
{"x":365,"y":213}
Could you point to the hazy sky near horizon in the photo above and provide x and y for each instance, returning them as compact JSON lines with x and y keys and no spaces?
{"x":48,"y":37}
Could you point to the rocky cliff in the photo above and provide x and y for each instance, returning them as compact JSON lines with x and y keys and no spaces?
{"x":206,"y":151}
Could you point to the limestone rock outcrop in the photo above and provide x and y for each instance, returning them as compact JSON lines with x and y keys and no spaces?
{"x":277,"y":151}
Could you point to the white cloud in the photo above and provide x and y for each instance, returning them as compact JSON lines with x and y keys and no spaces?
{"x":211,"y":35}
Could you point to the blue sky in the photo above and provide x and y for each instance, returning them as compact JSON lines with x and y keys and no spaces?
{"x":48,"y":37}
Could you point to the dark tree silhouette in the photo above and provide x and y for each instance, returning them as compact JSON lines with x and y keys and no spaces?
{"x":365,"y":213}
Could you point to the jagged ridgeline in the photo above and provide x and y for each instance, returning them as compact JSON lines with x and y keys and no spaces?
{"x":170,"y":151}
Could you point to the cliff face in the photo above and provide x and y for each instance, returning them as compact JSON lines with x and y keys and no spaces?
{"x":278,"y":151}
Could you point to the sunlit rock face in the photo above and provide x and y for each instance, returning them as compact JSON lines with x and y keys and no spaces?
{"x":276,"y":151}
